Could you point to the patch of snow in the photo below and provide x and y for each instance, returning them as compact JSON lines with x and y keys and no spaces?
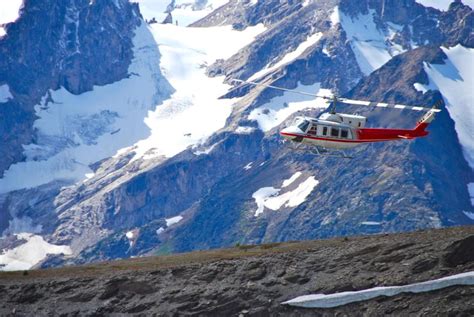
{"x":343,"y":298}
{"x":248,"y":166}
{"x":370,"y":223}
{"x":5,"y":93}
{"x":194,"y":112}
{"x":370,"y":45}
{"x":443,"y":5}
{"x":289,"y":181}
{"x":10,"y":11}
{"x":173,"y":220}
{"x":261,"y":196}
{"x":280,"y":108}
{"x":335,"y":17}
{"x":77,"y":130}
{"x":268,"y":196}
{"x":160,"y":230}
{"x":289,"y":57}
{"x":207,"y":150}
{"x":455,"y":80}
{"x":129,"y":235}
{"x":470,"y":215}
{"x":33,"y":251}
{"x":244,"y":130}
{"x":470,"y":188}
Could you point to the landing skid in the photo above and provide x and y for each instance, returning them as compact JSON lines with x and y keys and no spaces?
{"x":320,"y":151}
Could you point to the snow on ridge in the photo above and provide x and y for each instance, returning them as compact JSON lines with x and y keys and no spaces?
{"x":278,"y":109}
{"x":371,"y":47}
{"x":470,"y":189}
{"x":5,"y":93}
{"x":370,"y":223}
{"x":290,"y":56}
{"x":30,"y":253}
{"x":244,"y":130}
{"x":455,"y":79}
{"x":267,"y":197}
{"x":343,"y":298}
{"x":10,"y":12}
{"x":173,"y":220}
{"x":442,"y":5}
{"x":289,"y":181}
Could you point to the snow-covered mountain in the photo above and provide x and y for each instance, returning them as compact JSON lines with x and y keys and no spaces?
{"x":121,"y":137}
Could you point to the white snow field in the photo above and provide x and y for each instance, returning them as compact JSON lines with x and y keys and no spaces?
{"x":194,"y":112}
{"x":280,"y":108}
{"x":185,"y":12}
{"x":77,"y":130}
{"x":340,"y":299}
{"x":5,"y":93}
{"x":371,"y":46}
{"x":267,"y":197}
{"x":9,"y":12}
{"x":443,"y":5}
{"x":455,"y":80}
{"x":173,"y":220}
{"x":289,"y":57}
{"x":30,"y":253}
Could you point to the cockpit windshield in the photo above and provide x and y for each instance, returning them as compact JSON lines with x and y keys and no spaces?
{"x":303,"y":125}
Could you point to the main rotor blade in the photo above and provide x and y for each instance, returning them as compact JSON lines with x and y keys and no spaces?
{"x":344,"y":100}
{"x":280,"y":88}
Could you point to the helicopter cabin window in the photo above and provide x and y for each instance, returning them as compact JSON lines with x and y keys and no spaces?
{"x":335,"y":132}
{"x":313,"y":129}
{"x":344,"y":133}
{"x":303,"y":125}
{"x":325,"y":131}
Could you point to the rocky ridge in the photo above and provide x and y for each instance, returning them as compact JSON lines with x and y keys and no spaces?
{"x":254,"y":280}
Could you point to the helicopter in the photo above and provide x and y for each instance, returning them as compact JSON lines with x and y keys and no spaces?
{"x":332,"y":132}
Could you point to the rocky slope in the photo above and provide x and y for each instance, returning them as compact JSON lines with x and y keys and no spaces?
{"x":204,"y":196}
{"x":255,"y":280}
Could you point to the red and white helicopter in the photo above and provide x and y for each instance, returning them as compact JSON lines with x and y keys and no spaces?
{"x":339,"y":131}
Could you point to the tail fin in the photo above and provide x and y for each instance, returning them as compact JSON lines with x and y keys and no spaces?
{"x":427,"y":118}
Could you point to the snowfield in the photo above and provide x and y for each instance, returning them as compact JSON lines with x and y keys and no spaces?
{"x":9,"y":12}
{"x":5,"y":93}
{"x":340,"y":299}
{"x":280,"y":108}
{"x":289,"y":57}
{"x":267,"y":197}
{"x":30,"y":253}
{"x":185,"y":53}
{"x":372,"y":47}
{"x":455,"y":81}
{"x":173,"y":220}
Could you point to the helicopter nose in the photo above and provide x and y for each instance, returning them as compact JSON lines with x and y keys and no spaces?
{"x":291,"y":132}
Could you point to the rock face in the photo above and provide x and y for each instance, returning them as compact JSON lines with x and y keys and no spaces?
{"x":75,"y":45}
{"x":255,"y":280}
{"x":389,"y":187}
